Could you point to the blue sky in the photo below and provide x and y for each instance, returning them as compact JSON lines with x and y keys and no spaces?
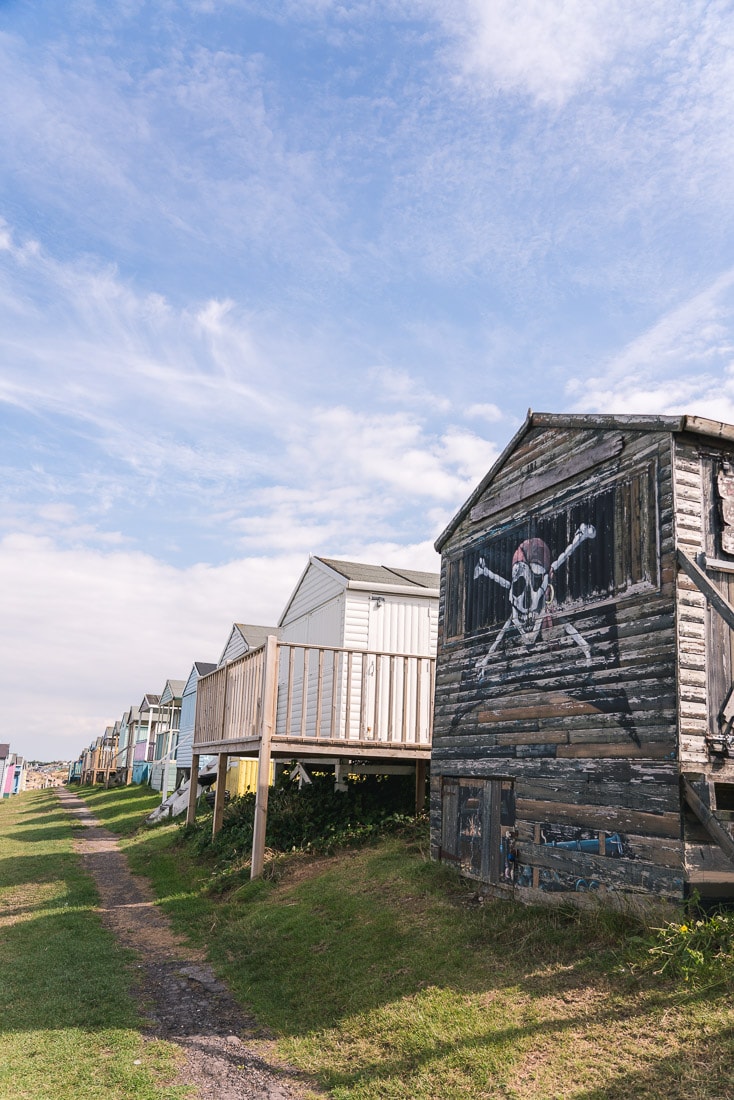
{"x":283,"y":278}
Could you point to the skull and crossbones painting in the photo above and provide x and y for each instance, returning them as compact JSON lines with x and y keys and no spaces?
{"x":531,"y":592}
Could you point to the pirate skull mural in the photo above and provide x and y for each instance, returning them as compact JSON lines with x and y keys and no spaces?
{"x":530,"y":588}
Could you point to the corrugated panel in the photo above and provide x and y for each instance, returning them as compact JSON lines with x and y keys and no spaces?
{"x":401,"y":625}
{"x":322,"y":625}
{"x":242,"y":776}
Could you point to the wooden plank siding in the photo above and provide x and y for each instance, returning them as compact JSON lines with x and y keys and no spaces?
{"x":598,"y":700}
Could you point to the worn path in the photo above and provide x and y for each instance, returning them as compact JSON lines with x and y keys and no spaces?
{"x":181,"y":1000}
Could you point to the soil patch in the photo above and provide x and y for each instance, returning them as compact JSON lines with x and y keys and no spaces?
{"x":181,"y":1000}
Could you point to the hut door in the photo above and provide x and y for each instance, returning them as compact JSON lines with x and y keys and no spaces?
{"x":476,"y":815}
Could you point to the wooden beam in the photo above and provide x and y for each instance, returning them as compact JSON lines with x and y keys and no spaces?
{"x":718,"y":833}
{"x":219,"y":792}
{"x":268,"y":711}
{"x":193,"y":788}
{"x":546,"y":479}
{"x":709,"y":589}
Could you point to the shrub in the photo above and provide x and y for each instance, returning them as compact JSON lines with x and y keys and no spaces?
{"x":317,"y":818}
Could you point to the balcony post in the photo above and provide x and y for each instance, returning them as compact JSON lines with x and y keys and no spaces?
{"x":222,"y":760}
{"x":193,"y":788}
{"x":268,"y":712}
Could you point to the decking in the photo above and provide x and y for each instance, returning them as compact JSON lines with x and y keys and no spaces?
{"x":303,"y":702}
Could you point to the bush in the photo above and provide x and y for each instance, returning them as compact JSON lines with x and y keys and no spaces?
{"x":317,"y":818}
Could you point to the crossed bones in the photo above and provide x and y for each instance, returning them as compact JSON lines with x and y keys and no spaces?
{"x":528,"y":589}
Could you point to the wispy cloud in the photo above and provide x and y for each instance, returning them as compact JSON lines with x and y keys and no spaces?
{"x":202,"y":405}
{"x":551,"y":50}
{"x":683,"y":363}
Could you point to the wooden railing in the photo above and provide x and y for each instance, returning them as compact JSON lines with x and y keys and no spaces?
{"x":229,"y":701}
{"x":325,"y":695}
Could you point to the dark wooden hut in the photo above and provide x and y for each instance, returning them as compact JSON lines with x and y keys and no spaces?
{"x":583,"y":710}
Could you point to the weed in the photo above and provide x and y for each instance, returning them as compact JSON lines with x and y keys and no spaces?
{"x":700,"y":950}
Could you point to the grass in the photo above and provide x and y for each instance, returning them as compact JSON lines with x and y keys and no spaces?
{"x":68,"y":1025}
{"x":382,"y":976}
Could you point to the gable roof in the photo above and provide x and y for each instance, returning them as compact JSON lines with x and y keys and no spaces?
{"x":172,"y":691}
{"x":204,"y":667}
{"x":700,"y":425}
{"x":369,"y":578}
{"x":252,"y":637}
{"x":198,"y":669}
{"x":255,"y":636}
{"x":381,"y":574}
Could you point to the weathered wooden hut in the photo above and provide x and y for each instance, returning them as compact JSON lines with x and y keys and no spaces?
{"x":584,"y":704}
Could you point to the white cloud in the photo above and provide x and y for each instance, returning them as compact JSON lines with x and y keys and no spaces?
{"x":390,"y":452}
{"x":550,"y":49}
{"x":88,"y":633}
{"x":209,"y":403}
{"x":489,"y":412}
{"x":404,"y":388}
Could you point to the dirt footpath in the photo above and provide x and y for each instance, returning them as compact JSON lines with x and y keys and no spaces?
{"x":180,"y":998}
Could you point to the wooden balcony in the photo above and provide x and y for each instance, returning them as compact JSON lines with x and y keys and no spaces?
{"x":305,"y":702}
{"x":317,"y":700}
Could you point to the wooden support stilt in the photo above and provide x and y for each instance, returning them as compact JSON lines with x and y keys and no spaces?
{"x":193,"y":788}
{"x":268,"y":710}
{"x":219,"y":793}
{"x":341,"y":771}
{"x":420,"y":786}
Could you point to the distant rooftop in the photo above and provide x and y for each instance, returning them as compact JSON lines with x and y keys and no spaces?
{"x":255,"y":636}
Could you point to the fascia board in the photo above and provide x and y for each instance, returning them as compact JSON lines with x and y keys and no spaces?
{"x":392,"y":589}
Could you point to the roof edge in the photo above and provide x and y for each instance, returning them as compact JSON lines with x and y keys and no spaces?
{"x":313,"y":559}
{"x":393,"y":589}
{"x":700,"y":425}
{"x":486,"y":481}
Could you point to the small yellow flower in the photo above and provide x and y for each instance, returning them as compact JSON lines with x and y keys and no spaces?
{"x":684,"y":928}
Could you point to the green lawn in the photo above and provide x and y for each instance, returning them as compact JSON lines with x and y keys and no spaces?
{"x":381,"y":976}
{"x":68,"y":1027}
